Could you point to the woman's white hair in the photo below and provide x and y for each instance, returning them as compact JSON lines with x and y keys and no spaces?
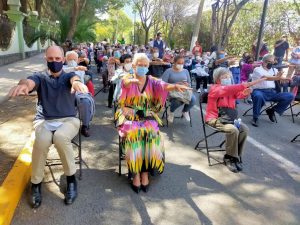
{"x":71,"y":53}
{"x":219,"y":72}
{"x":139,"y":57}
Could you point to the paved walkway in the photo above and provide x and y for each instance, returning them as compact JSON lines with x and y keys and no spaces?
{"x":16,"y":115}
{"x":189,"y":191}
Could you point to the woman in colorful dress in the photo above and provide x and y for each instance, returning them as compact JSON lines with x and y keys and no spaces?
{"x":138,"y":122}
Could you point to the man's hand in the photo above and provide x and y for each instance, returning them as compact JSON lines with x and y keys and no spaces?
{"x":21,"y":89}
{"x":80,"y":87}
{"x":81,"y":68}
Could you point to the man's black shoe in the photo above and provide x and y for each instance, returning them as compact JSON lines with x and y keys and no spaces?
{"x":36,"y":195}
{"x":71,"y":193}
{"x":230,"y":163}
{"x":85,"y":131}
{"x":239,"y":164}
{"x":271,"y":113}
{"x":254,"y":122}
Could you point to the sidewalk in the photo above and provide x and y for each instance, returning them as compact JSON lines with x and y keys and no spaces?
{"x":17,"y":114}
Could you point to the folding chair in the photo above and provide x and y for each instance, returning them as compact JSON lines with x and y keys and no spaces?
{"x":165,"y":114}
{"x":78,"y":159}
{"x":296,"y":102}
{"x":295,"y":138}
{"x":262,"y":111}
{"x":122,"y":157}
{"x":218,"y":148}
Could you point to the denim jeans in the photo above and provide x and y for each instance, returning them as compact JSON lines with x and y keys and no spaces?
{"x":261,"y":96}
{"x":175,"y":103}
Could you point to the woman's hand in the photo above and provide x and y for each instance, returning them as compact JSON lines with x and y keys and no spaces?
{"x":81,"y":68}
{"x":181,"y":88}
{"x":247,"y":91}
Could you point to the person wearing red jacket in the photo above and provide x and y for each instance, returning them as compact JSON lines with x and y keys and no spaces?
{"x":221,"y":113}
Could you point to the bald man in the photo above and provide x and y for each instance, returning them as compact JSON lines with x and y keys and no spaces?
{"x":55,"y":121}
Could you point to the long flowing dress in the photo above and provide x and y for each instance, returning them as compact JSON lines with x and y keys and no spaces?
{"x":138,"y":125}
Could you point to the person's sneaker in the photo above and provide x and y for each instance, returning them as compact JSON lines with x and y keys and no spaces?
{"x":170,"y":116}
{"x":230,"y":163}
{"x":254,"y":122}
{"x":186,"y":115}
{"x":199,"y":90}
{"x":205,"y":90}
{"x":271,"y":113}
{"x":249,"y":101}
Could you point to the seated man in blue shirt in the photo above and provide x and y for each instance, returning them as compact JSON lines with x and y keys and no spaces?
{"x":265,"y":91}
{"x":55,"y":121}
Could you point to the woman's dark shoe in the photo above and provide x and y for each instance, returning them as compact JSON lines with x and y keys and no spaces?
{"x":136,"y":189}
{"x":36,"y":195}
{"x":145,"y":188}
{"x":85,"y":131}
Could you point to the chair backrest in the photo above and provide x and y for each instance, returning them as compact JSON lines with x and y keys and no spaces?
{"x":297,"y":97}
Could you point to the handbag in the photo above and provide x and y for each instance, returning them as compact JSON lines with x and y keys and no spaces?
{"x":184,"y":97}
{"x":227,"y":115}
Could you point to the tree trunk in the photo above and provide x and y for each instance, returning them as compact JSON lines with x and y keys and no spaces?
{"x":147,"y":35}
{"x":38,"y":7}
{"x":297,"y":7}
{"x":73,"y":19}
{"x":213,"y":24}
{"x":23,"y":7}
{"x":197,"y":27}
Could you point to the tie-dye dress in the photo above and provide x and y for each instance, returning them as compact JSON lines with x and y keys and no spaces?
{"x":141,"y":139}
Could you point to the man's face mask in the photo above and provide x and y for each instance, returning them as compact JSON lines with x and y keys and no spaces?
{"x":55,"y":67}
{"x":72,"y":63}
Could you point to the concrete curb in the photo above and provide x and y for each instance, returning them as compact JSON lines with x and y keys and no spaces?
{"x":15,"y":183}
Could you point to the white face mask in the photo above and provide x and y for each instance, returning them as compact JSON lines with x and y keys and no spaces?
{"x":155,"y":55}
{"x":198,"y":57}
{"x":226,"y":81}
{"x":179,"y":67}
{"x":128,"y":66}
{"x":72,"y":63}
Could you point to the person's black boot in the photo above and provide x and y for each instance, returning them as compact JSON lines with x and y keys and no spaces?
{"x":230,"y":163}
{"x":71,"y":192}
{"x":36,"y":195}
{"x":271,"y":113}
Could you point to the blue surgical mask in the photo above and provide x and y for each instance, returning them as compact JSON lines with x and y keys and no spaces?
{"x":117,"y":55}
{"x":226,"y":81}
{"x":221,"y":56}
{"x":141,"y":71}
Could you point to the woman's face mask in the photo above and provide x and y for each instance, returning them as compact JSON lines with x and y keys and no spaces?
{"x":128,"y":66}
{"x":179,"y":67}
{"x":269,"y":65}
{"x":117,"y":54}
{"x":226,"y":81}
{"x":141,"y":71}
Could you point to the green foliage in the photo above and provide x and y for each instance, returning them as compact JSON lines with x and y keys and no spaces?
{"x":116,"y":26}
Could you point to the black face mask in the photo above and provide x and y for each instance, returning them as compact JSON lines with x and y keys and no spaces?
{"x":55,"y":67}
{"x":269,"y":65}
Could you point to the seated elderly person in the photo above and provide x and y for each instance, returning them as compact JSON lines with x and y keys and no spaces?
{"x":85,"y":101}
{"x":178,"y":75}
{"x":221,"y":113}
{"x":55,"y":121}
{"x":265,"y":91}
